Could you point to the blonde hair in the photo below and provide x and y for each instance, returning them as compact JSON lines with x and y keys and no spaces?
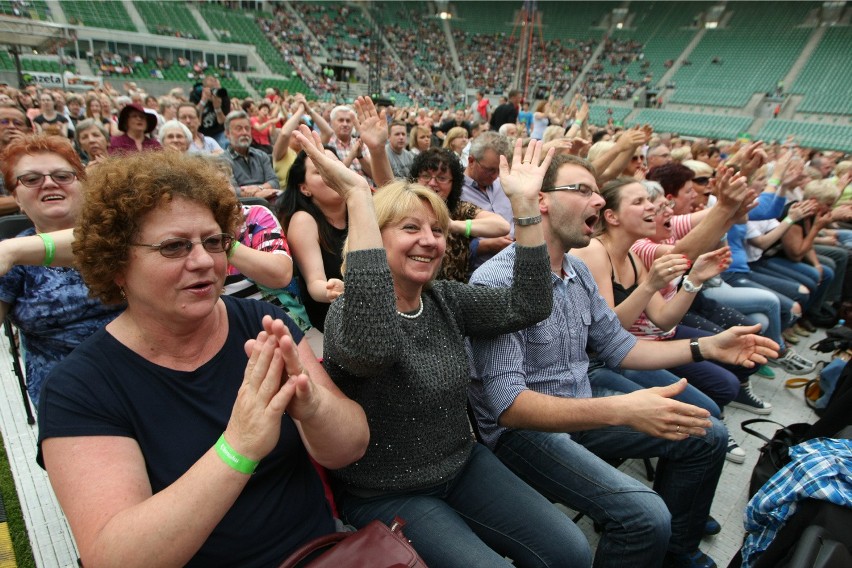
{"x":598,"y":148}
{"x":824,"y":191}
{"x":552,"y":132}
{"x":454,"y":132}
{"x":681,"y":154}
{"x":400,"y":198}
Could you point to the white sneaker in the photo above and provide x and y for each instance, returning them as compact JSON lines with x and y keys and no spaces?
{"x":735,"y":453}
{"x":794,"y":363}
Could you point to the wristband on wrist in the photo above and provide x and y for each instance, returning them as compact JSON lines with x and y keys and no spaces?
{"x":232,"y":249}
{"x":696,"y":351}
{"x":789,"y":220}
{"x":774,"y":182}
{"x":49,"y":249}
{"x":525,"y":221}
{"x":230,"y":456}
{"x":467,"y":227}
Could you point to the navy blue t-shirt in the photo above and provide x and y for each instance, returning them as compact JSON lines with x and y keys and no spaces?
{"x":105,"y":389}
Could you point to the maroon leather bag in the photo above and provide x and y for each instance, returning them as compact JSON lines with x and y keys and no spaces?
{"x":374,"y":546}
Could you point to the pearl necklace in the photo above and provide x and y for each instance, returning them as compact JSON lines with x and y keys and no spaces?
{"x":414,"y":315}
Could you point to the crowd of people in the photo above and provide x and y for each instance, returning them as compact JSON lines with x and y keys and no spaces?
{"x":559,"y":275}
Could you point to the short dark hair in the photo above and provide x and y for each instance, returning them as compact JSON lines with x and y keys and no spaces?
{"x":671,"y":176}
{"x":560,"y":160}
{"x":441,"y":160}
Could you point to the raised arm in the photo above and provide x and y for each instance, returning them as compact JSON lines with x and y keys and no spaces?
{"x":373,"y":128}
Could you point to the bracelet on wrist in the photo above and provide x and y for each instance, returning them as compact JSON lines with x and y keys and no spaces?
{"x":525,"y":221}
{"x":789,"y":220}
{"x":774,"y":182}
{"x":49,"y":249}
{"x":232,"y":249}
{"x":468,"y":225}
{"x":230,"y":456}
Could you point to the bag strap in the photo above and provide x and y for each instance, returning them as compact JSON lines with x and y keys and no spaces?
{"x":811,"y":386}
{"x":301,"y":553}
{"x":796,"y":382}
{"x":753,"y":432}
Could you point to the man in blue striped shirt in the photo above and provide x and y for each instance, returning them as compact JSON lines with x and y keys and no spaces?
{"x":531,"y":388}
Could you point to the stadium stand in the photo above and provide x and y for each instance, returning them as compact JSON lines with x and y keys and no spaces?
{"x":599,"y":114}
{"x":825,"y":80}
{"x":723,"y":70}
{"x":107,"y":14}
{"x":169,"y":18}
{"x":32,"y":9}
{"x":811,"y":134}
{"x":692,"y":124}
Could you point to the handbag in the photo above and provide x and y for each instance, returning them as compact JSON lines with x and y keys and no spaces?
{"x":775,"y":454}
{"x":374,"y":546}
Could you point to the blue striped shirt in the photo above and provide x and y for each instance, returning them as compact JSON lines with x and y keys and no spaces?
{"x":549,"y":357}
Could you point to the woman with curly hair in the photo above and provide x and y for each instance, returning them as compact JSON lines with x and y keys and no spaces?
{"x":438,"y":169}
{"x":232,"y":377}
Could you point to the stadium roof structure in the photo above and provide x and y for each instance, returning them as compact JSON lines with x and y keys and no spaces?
{"x":32,"y":33}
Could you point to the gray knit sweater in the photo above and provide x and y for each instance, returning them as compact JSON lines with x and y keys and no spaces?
{"x":411,"y":375}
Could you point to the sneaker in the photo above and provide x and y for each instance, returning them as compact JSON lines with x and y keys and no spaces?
{"x":765,"y":372}
{"x":712,"y":527}
{"x":734,"y":454}
{"x":695,"y":559}
{"x":793,"y":363}
{"x":790,"y":336}
{"x":746,"y":400}
{"x":800,"y":330}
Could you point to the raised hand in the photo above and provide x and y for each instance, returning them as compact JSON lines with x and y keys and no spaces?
{"x":333,"y":172}
{"x":731,"y":188}
{"x":665,"y":269}
{"x":710,"y":264}
{"x":372,"y":125}
{"x":523,"y":180}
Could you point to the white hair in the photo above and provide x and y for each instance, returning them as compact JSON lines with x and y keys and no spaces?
{"x":340,"y":108}
{"x":171,"y":125}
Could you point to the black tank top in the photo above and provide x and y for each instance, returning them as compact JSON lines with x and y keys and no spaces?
{"x":619,"y":292}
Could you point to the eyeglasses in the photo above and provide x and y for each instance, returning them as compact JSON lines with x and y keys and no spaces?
{"x":489,"y":171}
{"x":662,"y":206}
{"x":426,"y":178}
{"x":16,"y":122}
{"x":34,"y":179}
{"x":178,"y":247}
{"x":580,"y":188}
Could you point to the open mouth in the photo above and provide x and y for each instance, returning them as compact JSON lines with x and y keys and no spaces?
{"x":425,"y":259}
{"x":590,"y":222}
{"x":52,"y":197}
{"x":668,"y":224}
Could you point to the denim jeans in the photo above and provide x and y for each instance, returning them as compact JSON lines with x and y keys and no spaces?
{"x":800,"y":272}
{"x":751,"y":302}
{"x":629,"y":380}
{"x":636,"y":521}
{"x":745,"y":280}
{"x":476,"y":518}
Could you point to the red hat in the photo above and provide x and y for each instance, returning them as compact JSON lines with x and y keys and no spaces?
{"x":125,"y":113}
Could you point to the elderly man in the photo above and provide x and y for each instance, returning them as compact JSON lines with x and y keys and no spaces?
{"x":659,"y":155}
{"x":253,"y":173}
{"x":13,"y":125}
{"x":350,"y":150}
{"x":187,"y":113}
{"x":534,"y":404}
{"x":482,"y":187}
{"x":400,"y":158}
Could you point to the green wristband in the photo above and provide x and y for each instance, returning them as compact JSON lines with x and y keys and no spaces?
{"x":789,"y":220}
{"x":230,"y":456}
{"x":49,"y":249}
{"x":468,"y":225}
{"x":232,"y":249}
{"x":774,"y":182}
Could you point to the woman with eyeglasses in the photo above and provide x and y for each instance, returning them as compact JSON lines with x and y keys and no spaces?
{"x":200,"y":413}
{"x":647,"y":301}
{"x":50,"y":306}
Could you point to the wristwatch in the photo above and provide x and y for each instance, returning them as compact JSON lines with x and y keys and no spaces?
{"x":526,"y":221}
{"x":689,"y":287}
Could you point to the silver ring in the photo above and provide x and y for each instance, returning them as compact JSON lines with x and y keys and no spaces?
{"x":677,"y":431}
{"x":671,"y":269}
